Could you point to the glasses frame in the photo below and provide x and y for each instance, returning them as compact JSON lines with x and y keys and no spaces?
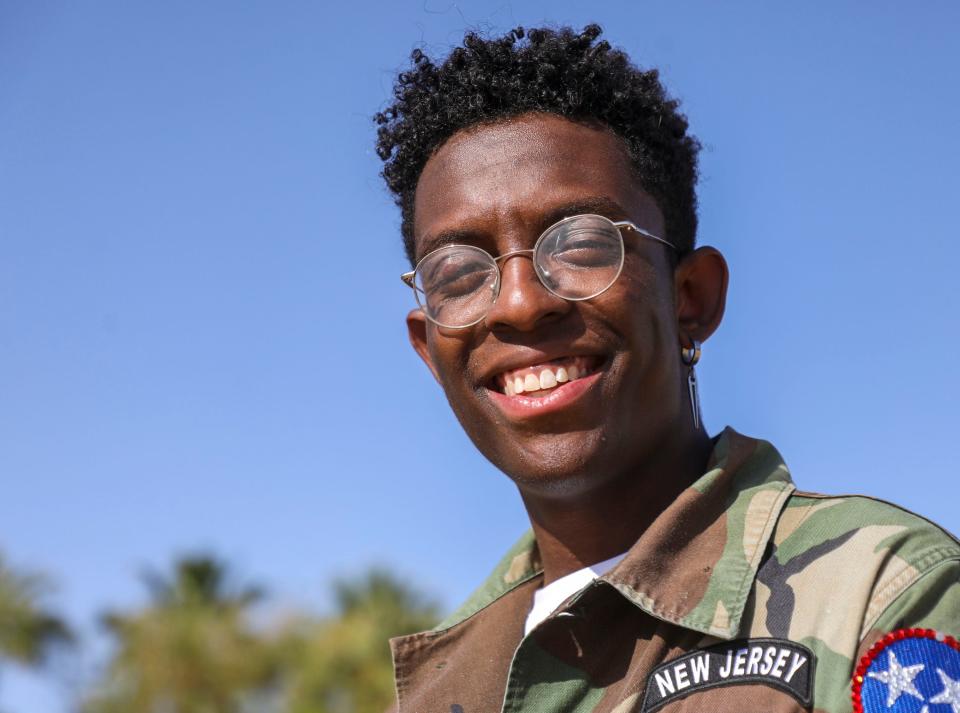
{"x":409,"y":278}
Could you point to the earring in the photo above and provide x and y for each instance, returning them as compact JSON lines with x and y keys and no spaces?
{"x":690,"y":356}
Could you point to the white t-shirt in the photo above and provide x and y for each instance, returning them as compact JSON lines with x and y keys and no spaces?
{"x":547,"y":599}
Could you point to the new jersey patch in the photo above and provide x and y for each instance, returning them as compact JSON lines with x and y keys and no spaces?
{"x":773,"y":662}
{"x":909,"y":671}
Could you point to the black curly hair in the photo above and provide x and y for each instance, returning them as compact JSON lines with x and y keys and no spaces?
{"x":541,"y":70}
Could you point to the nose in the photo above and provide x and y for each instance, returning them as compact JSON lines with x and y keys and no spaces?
{"x":523,"y":303}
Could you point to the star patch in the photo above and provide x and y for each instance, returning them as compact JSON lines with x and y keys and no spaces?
{"x":909,"y":671}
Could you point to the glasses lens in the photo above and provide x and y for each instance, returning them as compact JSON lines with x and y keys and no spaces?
{"x":456,"y":285}
{"x":581,"y":257}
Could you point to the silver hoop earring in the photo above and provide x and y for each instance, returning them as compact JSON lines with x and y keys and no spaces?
{"x":690,"y":356}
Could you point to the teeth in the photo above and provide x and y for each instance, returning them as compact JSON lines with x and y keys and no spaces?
{"x":524,"y":381}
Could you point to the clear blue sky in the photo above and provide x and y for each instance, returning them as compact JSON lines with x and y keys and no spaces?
{"x":201,"y":327}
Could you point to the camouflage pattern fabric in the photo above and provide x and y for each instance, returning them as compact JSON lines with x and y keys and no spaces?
{"x":741,"y":556}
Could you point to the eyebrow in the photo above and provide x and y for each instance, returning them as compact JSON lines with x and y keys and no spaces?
{"x":598,"y":205}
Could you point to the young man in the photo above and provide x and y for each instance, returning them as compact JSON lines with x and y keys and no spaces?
{"x":547,"y":195}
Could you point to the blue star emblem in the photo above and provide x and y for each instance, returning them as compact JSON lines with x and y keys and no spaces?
{"x":898,"y":679}
{"x":950,"y":693}
{"x":910,"y":671}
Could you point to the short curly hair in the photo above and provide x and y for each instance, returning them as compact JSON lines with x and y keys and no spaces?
{"x":560,"y":72}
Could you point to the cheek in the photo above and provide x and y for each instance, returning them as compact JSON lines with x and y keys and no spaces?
{"x":641,"y":306}
{"x":450,"y":351}
{"x":646,"y":322}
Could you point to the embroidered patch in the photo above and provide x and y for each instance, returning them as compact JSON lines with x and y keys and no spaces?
{"x":909,"y":671}
{"x":772,"y":662}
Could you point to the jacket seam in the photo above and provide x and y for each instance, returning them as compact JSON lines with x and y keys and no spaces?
{"x":929,"y":561}
{"x":399,"y":678}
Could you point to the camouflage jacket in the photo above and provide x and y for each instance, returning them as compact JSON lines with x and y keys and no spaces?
{"x":744,"y":595}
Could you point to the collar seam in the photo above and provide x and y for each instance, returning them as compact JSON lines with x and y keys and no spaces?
{"x":753,"y":564}
{"x":745,"y":575}
{"x":746,"y":583}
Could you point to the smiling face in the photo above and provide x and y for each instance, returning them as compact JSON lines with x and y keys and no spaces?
{"x":602,"y":382}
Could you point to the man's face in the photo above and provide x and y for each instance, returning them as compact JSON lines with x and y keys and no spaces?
{"x":498,"y":187}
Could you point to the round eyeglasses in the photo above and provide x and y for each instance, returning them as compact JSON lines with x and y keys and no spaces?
{"x":576,"y":258}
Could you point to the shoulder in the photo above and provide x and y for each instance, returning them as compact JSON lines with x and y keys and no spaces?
{"x":857,"y":554}
{"x":842,"y":571}
{"x":860,"y":529}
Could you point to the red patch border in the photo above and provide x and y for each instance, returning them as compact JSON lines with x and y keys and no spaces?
{"x":884,"y":642}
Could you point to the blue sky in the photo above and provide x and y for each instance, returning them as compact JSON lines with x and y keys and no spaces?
{"x":201,"y":327}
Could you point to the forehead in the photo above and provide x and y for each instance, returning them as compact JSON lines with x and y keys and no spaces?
{"x":502,"y":177}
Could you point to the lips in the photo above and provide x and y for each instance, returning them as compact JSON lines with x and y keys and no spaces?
{"x":530,"y":407}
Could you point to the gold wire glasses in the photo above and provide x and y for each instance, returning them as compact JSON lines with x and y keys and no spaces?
{"x":576,"y":258}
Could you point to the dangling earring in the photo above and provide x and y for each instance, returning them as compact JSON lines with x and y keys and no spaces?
{"x":690,"y":356}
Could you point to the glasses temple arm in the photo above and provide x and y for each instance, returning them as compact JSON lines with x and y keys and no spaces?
{"x":646,"y":234}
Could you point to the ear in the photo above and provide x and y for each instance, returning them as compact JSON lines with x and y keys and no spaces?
{"x":417,"y":332}
{"x":700,"y":281}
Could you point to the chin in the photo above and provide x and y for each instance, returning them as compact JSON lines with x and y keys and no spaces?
{"x":556,"y":465}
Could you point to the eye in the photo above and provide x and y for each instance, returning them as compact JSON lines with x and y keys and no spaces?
{"x":456,"y":274}
{"x":585,"y":249}
{"x":451,"y":281}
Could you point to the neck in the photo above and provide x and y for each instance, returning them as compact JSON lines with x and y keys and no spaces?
{"x":575,"y":532}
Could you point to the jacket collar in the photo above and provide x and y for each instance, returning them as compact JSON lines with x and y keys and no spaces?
{"x":695,"y":565}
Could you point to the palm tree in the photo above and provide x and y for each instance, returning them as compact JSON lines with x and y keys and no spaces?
{"x":28,"y":632}
{"x":199,"y":581}
{"x":191,"y":650}
{"x":343,"y":664}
